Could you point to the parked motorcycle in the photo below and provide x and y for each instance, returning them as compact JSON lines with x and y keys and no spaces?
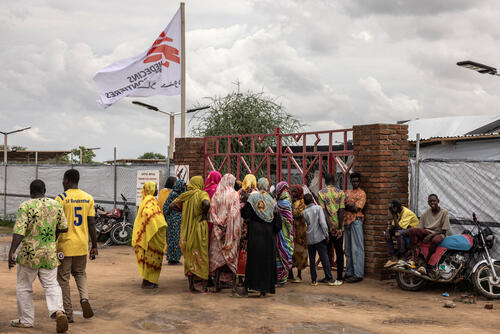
{"x":456,"y":265}
{"x":115,"y":223}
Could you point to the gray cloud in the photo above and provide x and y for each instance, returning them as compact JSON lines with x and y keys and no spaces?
{"x":330,"y":64}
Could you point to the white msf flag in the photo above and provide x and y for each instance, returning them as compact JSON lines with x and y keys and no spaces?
{"x":157,"y":71}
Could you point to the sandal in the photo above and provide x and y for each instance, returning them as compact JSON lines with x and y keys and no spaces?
{"x":19,"y":324}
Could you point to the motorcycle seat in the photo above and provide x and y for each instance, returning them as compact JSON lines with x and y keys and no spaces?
{"x":458,"y":242}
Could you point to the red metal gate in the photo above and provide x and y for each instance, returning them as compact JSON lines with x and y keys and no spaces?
{"x":281,"y":156}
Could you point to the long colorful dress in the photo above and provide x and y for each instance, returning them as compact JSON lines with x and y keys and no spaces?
{"x":148,"y":237}
{"x":194,"y":229}
{"x":284,"y":239}
{"x":174,"y":220}
{"x":300,"y":255}
{"x":226,"y":218}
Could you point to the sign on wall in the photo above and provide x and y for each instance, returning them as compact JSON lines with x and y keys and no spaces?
{"x":144,"y":176}
{"x":182,"y":172}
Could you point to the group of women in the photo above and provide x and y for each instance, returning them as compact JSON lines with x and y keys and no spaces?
{"x":224,"y":229}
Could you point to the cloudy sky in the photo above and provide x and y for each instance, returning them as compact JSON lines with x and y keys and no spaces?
{"x":331,"y":63}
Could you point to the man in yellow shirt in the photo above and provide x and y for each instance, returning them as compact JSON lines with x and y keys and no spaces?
{"x":403,"y":219}
{"x":78,"y":208}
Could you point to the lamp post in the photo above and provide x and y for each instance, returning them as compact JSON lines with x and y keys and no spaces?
{"x":478,"y":67}
{"x":5,"y":134}
{"x":172,"y":121}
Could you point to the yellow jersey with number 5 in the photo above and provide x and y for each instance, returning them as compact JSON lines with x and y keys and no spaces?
{"x":77,"y":206}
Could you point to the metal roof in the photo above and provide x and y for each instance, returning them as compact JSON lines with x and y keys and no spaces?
{"x":450,"y":126}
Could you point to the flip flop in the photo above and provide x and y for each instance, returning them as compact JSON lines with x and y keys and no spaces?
{"x":17,"y":323}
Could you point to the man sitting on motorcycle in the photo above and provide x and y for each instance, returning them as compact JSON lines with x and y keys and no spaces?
{"x":433,"y":226}
{"x":403,"y":219}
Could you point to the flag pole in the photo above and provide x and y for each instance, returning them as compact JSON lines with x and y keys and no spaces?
{"x":183,"y":73}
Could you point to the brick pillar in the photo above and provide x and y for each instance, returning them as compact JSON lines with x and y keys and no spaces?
{"x":381,"y":157}
{"x":189,"y":151}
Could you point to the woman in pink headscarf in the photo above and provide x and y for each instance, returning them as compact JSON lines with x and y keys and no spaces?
{"x":211,"y":182}
{"x":227,"y":221}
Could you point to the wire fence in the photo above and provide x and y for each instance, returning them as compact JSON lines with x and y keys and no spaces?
{"x":104,"y":182}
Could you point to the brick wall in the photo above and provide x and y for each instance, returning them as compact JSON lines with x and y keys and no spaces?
{"x":381,"y":156}
{"x":189,"y":151}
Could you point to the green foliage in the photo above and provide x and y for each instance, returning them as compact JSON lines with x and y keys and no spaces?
{"x":152,"y":155}
{"x":14,"y":148}
{"x":7,"y":223}
{"x":244,"y":113}
{"x":87,"y":156}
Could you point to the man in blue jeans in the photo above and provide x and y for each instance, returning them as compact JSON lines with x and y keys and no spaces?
{"x":317,"y":239}
{"x":354,"y":248}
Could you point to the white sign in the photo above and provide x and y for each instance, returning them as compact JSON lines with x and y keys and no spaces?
{"x":144,"y":176}
{"x":157,"y":71}
{"x":182,"y":172}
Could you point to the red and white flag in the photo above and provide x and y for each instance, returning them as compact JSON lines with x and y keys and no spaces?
{"x":157,"y":71}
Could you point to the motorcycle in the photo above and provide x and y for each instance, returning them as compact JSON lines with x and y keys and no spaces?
{"x":114,"y":223}
{"x":457,"y":264}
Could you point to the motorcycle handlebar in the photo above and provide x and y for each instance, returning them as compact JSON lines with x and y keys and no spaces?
{"x":123,"y":197}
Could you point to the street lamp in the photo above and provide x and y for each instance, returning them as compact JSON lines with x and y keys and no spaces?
{"x":481,"y":68}
{"x":172,"y":120}
{"x":5,"y":134}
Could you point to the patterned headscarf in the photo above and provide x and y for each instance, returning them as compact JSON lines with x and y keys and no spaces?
{"x":212,"y":181}
{"x":148,"y":189}
{"x":263,"y":184}
{"x":249,"y":183}
{"x":281,"y":188}
{"x":263,"y":204}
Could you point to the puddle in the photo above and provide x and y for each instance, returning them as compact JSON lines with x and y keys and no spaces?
{"x":334,"y":300}
{"x":173,"y":322}
{"x":411,"y":321}
{"x":310,"y":328}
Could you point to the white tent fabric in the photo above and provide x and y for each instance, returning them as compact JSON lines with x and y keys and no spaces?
{"x":463,"y":188}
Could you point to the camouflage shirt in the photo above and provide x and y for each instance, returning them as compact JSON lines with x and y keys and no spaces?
{"x":37,"y":220}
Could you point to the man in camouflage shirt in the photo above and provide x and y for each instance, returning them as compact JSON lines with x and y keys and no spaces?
{"x":39,"y":222}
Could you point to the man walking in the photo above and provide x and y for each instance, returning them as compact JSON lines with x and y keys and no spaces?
{"x":79,"y":210}
{"x":332,"y":200}
{"x":354,"y":243}
{"x":39,"y":222}
{"x":317,"y":239}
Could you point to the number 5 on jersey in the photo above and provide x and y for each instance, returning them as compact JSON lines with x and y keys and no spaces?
{"x":78,"y":216}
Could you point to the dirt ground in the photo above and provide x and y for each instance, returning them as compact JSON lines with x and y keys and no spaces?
{"x":121,"y":306}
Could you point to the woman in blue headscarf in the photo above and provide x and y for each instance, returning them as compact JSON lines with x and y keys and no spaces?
{"x":284,"y":239}
{"x":174,"y":220}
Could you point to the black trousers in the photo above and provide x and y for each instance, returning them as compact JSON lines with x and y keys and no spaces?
{"x":322,"y":249}
{"x":338,"y":244}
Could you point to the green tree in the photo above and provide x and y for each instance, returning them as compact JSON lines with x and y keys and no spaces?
{"x":14,"y":147}
{"x":152,"y":155}
{"x":245,"y":113}
{"x":87,"y":155}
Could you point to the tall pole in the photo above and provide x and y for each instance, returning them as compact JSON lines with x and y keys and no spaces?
{"x":4,"y":148}
{"x":171,"y":144}
{"x":115,"y":178}
{"x":417,"y":172}
{"x":183,"y":74}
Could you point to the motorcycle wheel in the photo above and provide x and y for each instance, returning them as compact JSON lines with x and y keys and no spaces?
{"x":121,"y":234}
{"x":484,"y":281}
{"x":409,"y":282}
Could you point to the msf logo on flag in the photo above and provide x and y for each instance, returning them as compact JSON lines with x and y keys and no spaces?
{"x":160,"y":52}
